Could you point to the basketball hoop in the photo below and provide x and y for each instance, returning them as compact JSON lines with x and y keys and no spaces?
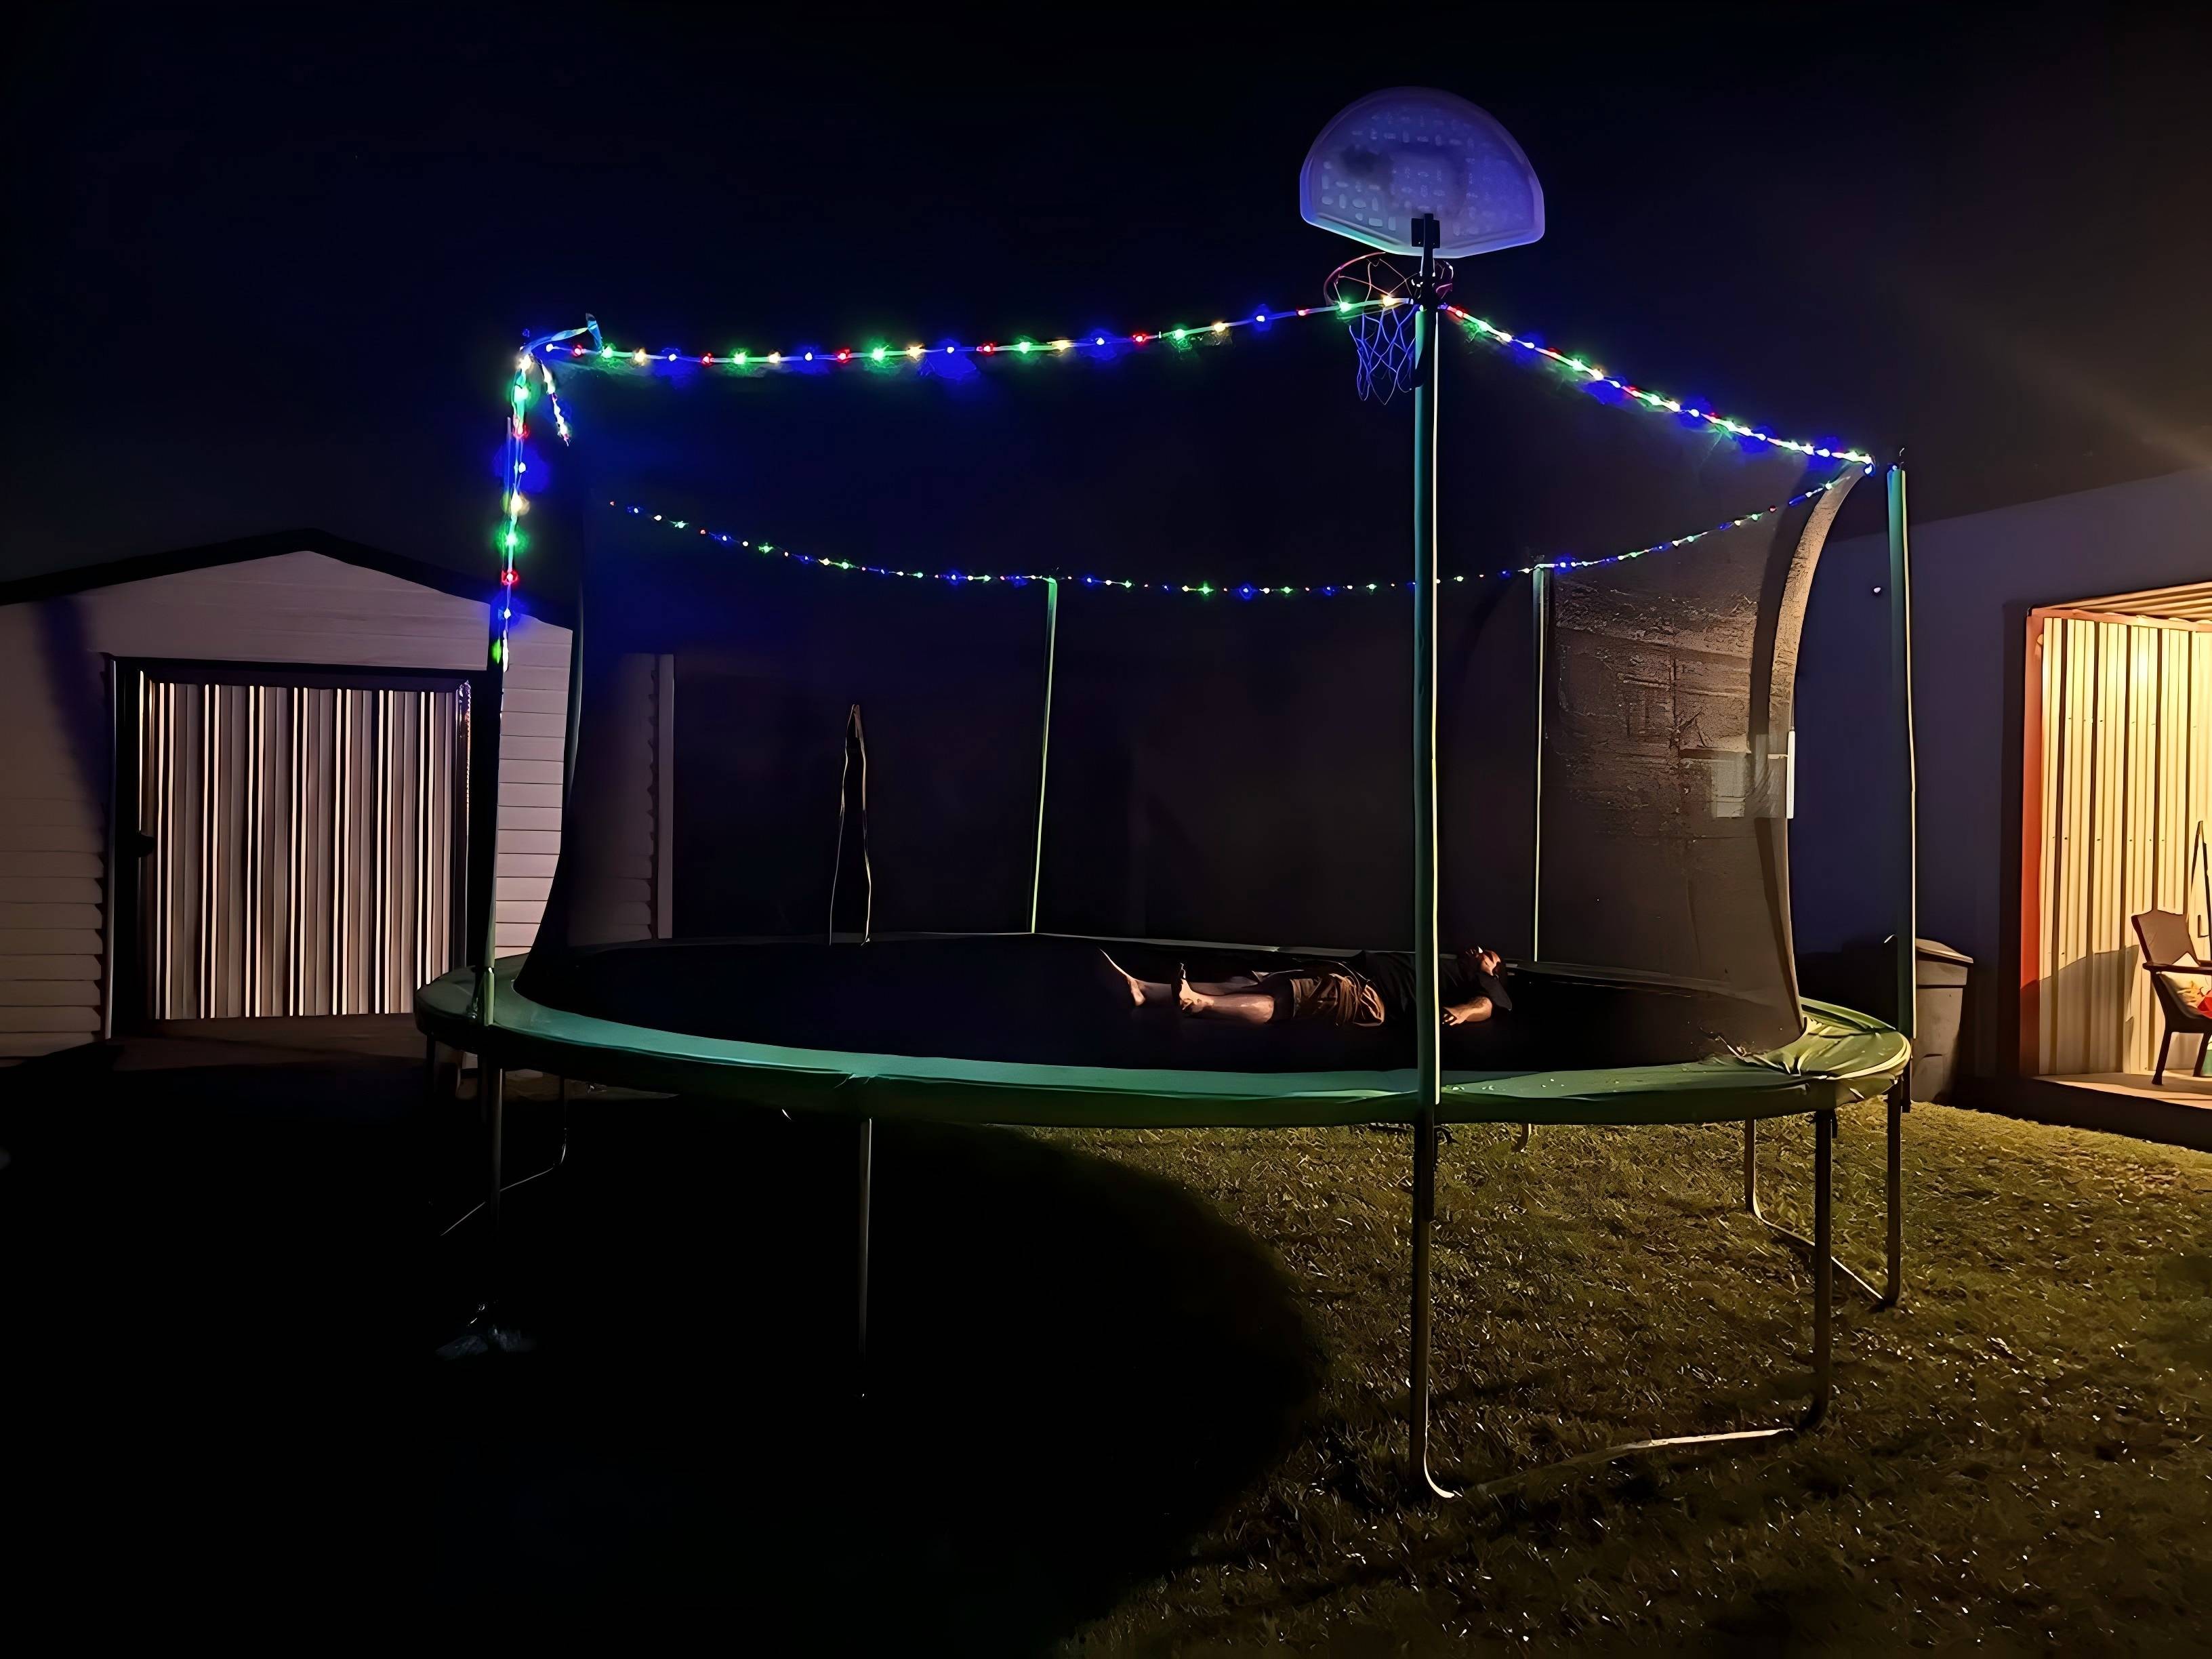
{"x":1378,"y":300}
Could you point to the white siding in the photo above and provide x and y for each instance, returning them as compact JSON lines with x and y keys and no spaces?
{"x":531,"y":736}
{"x":291,"y":608}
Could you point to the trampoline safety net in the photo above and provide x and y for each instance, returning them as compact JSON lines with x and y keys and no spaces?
{"x":1221,"y":763}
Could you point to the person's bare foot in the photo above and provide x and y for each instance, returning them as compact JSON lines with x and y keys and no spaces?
{"x":1187,"y":1000}
{"x":1135,"y":985}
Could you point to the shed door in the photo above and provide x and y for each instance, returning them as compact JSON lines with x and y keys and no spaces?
{"x":300,"y":845}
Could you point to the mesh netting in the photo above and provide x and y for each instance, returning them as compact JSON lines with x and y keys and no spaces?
{"x":1378,"y":301}
{"x":1232,"y":764}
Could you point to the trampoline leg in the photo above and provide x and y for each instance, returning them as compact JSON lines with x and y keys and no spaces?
{"x":1803,"y":1245}
{"x":1893,"y":1192}
{"x":1824,"y":1270}
{"x":1521,"y":1141}
{"x":485,"y":1334}
{"x":1424,"y":1215}
{"x":867,"y":1196}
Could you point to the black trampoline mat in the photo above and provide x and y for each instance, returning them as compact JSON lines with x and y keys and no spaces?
{"x":1047,"y":1000}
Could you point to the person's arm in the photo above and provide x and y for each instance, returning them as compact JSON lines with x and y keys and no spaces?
{"x":1473,"y":1012}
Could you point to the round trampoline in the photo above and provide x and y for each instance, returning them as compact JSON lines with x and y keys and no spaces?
{"x":866,"y":1032}
{"x":819,"y":802}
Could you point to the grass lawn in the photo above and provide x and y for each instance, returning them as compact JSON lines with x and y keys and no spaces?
{"x":2018,"y":1460}
{"x":1125,"y":1393}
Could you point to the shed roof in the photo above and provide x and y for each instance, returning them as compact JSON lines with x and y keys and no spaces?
{"x":57,"y":583}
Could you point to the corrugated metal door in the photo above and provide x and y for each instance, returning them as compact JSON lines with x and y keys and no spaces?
{"x":305,"y":846}
{"x":2127,"y":776}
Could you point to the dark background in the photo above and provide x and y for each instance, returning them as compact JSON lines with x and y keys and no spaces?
{"x":270,"y":268}
{"x":267,"y":263}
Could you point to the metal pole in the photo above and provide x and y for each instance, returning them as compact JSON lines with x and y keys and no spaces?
{"x":867,"y":1199}
{"x":1824,"y":1269}
{"x":1541,"y":581}
{"x":483,"y":861}
{"x":1427,"y":338}
{"x":1425,"y":1214}
{"x":1900,"y":691}
{"x":1900,"y":1096}
{"x":1044,"y":747}
{"x":493,"y":1080}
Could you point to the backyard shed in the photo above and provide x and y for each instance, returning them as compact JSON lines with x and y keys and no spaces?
{"x":239,"y":781}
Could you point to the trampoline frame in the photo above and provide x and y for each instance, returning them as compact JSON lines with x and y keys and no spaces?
{"x":447,"y":1012}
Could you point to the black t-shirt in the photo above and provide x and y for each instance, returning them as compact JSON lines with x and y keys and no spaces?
{"x":1391,"y":974}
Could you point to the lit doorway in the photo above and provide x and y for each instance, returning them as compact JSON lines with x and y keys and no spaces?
{"x":2116,"y":800}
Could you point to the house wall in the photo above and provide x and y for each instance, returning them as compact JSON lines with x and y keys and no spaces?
{"x":1974,"y":580}
{"x":293,"y":608}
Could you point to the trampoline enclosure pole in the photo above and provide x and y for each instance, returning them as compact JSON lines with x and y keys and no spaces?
{"x":1900,"y":683}
{"x":1541,"y":582}
{"x":1426,"y":1014}
{"x":1044,"y":747}
{"x":1427,"y":338}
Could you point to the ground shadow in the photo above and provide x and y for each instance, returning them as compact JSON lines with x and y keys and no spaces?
{"x":1074,"y":1366}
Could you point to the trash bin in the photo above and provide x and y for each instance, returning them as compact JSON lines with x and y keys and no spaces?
{"x":1939,"y":1006}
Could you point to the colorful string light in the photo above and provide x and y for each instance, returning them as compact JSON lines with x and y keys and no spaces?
{"x":1590,"y":373}
{"x":1212,"y":590}
{"x":881,"y":354}
{"x":517,"y":466}
{"x":1094,"y":343}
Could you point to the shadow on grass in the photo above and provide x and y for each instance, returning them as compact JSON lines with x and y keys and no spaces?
{"x":1076,"y":1366}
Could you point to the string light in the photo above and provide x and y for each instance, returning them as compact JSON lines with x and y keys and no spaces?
{"x":883,"y":354}
{"x":511,"y":539}
{"x":880,"y":356}
{"x":1477,"y":328}
{"x":1208,"y":589}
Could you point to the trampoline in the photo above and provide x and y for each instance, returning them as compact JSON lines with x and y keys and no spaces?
{"x":850,"y":922}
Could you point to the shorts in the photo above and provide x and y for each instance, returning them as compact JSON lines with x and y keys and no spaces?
{"x":1323,"y":995}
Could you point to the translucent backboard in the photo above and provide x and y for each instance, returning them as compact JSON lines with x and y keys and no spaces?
{"x":1393,"y":156}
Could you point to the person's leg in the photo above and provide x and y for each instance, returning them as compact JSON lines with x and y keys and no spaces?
{"x":1142,"y":992}
{"x":1246,"y":1007}
{"x":1146,"y":992}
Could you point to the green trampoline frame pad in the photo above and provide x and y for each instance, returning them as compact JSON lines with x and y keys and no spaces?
{"x":1843,"y":1057}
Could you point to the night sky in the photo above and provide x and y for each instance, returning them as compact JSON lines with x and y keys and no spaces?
{"x":268,"y":271}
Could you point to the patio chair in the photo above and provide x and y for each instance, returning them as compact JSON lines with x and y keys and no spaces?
{"x":2168,"y":953}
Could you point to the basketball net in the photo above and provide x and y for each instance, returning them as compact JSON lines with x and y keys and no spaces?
{"x":1379,"y":302}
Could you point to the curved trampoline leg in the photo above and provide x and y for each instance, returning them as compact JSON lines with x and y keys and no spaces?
{"x":1824,"y":1309}
{"x":1894,"y":1188}
{"x":485,"y":1334}
{"x":1424,"y":1215}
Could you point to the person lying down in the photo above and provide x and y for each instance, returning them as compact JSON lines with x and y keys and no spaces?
{"x":1375,"y":987}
